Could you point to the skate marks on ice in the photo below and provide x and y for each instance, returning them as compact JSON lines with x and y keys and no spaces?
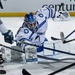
{"x":35,"y":69}
{"x":2,"y":72}
{"x":16,"y":69}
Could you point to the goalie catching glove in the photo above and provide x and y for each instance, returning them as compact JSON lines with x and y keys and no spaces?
{"x":62,"y":16}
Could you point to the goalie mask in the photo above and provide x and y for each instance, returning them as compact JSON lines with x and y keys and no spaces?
{"x":30,"y":21}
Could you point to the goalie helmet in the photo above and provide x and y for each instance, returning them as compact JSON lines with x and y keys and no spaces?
{"x":30,"y":20}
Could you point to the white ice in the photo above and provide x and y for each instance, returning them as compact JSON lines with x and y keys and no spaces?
{"x":54,"y":29}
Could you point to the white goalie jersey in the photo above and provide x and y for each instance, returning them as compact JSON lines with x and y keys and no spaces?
{"x":38,"y":37}
{"x":3,"y":29}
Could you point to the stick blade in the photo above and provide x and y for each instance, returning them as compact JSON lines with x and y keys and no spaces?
{"x":2,"y":72}
{"x":62,"y":36}
{"x":54,"y":38}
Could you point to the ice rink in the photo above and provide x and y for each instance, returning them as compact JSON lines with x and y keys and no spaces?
{"x":54,"y":29}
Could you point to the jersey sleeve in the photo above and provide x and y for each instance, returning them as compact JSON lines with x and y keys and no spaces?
{"x":47,"y":11}
{"x":3,"y":29}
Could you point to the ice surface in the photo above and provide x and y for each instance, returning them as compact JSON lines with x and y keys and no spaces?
{"x":54,"y":29}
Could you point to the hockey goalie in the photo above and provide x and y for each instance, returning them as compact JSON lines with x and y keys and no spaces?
{"x":33,"y":30}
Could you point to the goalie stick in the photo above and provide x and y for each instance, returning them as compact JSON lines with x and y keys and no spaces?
{"x":38,"y":46}
{"x":43,"y":57}
{"x":12,"y":48}
{"x":40,"y":55}
{"x":49,"y":48}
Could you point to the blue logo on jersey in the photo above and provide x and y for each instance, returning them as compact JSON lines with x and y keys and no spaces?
{"x":41,"y":15}
{"x":26,"y":31}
